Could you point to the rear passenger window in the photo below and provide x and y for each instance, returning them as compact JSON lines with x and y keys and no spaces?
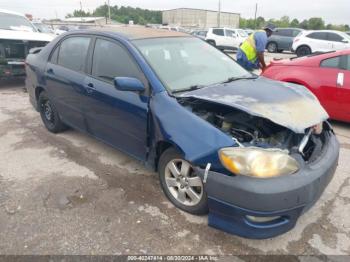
{"x":111,"y":60}
{"x":218,"y":32}
{"x":333,"y":62}
{"x":73,"y":53}
{"x":318,"y":35}
{"x":230,"y":33}
{"x":285,"y":32}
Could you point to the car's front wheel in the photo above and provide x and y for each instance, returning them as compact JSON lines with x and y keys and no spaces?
{"x":181,"y":184}
{"x":49,"y":114}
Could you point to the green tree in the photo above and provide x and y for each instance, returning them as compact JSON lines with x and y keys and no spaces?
{"x":294,"y":23}
{"x":304,"y":24}
{"x":283,"y":22}
{"x":316,"y":23}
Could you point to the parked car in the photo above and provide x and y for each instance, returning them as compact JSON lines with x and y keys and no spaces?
{"x":226,"y":38}
{"x":282,"y":39}
{"x":248,"y":31}
{"x":202,"y":34}
{"x":326,"y":75}
{"x":320,"y":41}
{"x":17,"y":37}
{"x":43,"y":28}
{"x":217,"y":137}
{"x":175,"y":28}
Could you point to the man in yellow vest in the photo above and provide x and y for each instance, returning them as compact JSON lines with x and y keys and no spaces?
{"x":250,"y":55}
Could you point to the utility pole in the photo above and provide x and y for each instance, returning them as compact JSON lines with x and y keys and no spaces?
{"x":109,"y":11}
{"x":81,"y":11}
{"x":256,"y":11}
{"x":219,"y":14}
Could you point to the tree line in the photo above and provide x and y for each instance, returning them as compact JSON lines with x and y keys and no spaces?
{"x":314,"y":23}
{"x":141,"y":16}
{"x":123,"y":14}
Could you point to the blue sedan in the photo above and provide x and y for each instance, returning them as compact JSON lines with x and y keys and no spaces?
{"x":253,"y":153}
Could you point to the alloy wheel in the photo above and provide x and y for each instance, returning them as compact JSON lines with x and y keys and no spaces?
{"x":183,"y":184}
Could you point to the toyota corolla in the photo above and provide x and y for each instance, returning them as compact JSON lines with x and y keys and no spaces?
{"x":252,"y":152}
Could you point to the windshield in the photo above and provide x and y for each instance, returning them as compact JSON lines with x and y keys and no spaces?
{"x":43,"y":28}
{"x":242,"y":33}
{"x":15,"y":22}
{"x":182,"y":62}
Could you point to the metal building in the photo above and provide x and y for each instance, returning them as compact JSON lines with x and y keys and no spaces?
{"x":199,"y":18}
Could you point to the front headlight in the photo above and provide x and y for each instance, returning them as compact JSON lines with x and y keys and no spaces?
{"x":258,"y":162}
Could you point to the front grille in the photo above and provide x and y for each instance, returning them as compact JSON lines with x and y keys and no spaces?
{"x":17,"y":49}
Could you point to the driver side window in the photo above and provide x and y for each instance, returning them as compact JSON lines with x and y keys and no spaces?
{"x":111,"y":60}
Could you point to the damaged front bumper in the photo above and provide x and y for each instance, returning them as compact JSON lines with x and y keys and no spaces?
{"x":264,"y":208}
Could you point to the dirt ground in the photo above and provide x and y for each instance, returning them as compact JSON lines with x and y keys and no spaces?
{"x":70,"y":194}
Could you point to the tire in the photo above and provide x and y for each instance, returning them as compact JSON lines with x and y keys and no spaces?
{"x":303,"y":51}
{"x":176,"y":176}
{"x":49,"y":114}
{"x":272,"y":47}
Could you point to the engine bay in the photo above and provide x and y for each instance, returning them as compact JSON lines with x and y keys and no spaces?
{"x":252,"y":131}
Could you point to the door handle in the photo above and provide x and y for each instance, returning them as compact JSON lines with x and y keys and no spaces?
{"x":340,"y":80}
{"x":90,"y":88}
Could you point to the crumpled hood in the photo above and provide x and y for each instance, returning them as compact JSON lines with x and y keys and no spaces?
{"x":289,"y":105}
{"x":24,"y":35}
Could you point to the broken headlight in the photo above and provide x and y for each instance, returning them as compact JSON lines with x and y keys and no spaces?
{"x":258,"y":162}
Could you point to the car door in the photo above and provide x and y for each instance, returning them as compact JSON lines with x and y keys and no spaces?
{"x":65,"y":74}
{"x":231,"y":39}
{"x":343,"y":83}
{"x":319,"y":42}
{"x":328,"y":77}
{"x":219,"y":35}
{"x":117,"y":117}
{"x":283,"y":39}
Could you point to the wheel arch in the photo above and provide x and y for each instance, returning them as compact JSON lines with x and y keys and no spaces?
{"x":161,"y":147}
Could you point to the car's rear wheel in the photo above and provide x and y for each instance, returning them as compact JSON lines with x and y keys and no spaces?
{"x":272,"y":47}
{"x":182,"y":186}
{"x":49,"y":114}
{"x":303,"y":51}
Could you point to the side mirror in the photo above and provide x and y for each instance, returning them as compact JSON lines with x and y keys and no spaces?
{"x":128,"y":84}
{"x":345,"y":41}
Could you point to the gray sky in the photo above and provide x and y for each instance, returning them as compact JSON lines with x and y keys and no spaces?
{"x":332,"y":11}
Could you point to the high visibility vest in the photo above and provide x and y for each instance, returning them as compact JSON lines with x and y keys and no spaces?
{"x":249,"y":47}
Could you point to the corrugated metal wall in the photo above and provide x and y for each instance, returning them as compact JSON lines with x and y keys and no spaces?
{"x":199,"y":18}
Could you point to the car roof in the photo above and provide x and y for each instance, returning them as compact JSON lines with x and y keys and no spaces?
{"x":313,"y":60}
{"x":324,"y":31}
{"x":11,"y":12}
{"x":136,"y":32}
{"x":293,"y":28}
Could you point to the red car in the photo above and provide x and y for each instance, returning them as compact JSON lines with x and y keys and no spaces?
{"x":326,"y":75}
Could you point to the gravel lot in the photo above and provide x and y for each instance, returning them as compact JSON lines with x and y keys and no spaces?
{"x":70,"y":194}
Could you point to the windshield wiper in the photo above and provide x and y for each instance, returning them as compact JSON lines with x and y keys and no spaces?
{"x":232,"y":79}
{"x":191,"y":88}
